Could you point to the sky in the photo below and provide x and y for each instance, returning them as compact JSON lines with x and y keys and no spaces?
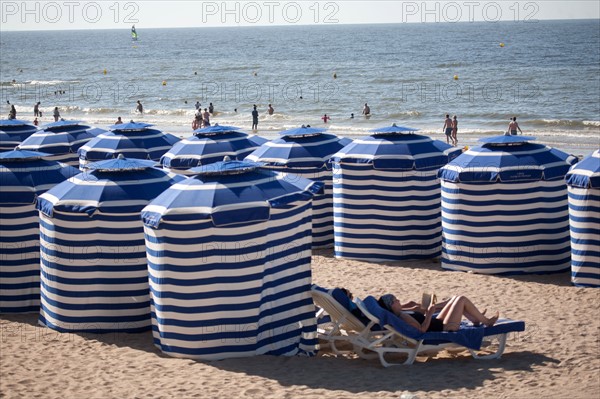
{"x":112,"y":14}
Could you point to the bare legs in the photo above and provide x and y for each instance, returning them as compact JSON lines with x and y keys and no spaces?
{"x":460,"y":306}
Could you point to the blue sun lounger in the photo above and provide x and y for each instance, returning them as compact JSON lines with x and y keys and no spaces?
{"x":400,"y":337}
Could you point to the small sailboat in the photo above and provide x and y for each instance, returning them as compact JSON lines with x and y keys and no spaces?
{"x":134,"y":35}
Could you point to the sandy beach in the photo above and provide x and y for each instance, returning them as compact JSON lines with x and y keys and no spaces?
{"x":558,"y":356}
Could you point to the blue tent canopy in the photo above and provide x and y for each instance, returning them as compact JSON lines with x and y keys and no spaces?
{"x":209,"y":145}
{"x":133,"y":140}
{"x":512,"y":160}
{"x":398,"y":152}
{"x":60,"y":124}
{"x":586,"y":174}
{"x":24,"y":175}
{"x":62,"y":139}
{"x":302,"y":131}
{"x":393,"y":129}
{"x":299,"y":150}
{"x":130,"y":127}
{"x":14,"y":132}
{"x":216,"y":129}
{"x":229,"y":192}
{"x":112,"y":186}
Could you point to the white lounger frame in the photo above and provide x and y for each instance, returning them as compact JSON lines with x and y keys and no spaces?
{"x":394,"y":342}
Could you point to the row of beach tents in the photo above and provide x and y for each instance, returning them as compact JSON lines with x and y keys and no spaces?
{"x":208,"y":240}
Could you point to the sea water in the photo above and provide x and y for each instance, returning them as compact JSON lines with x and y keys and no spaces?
{"x":547,"y":73}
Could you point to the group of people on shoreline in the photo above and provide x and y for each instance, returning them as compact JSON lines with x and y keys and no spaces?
{"x":37,"y":113}
{"x":450,"y":129}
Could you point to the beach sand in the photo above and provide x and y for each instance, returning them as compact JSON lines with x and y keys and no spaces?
{"x":558,"y":356}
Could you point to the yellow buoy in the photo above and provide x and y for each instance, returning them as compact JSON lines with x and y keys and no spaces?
{"x":455,"y":77}
{"x":164,"y":82}
{"x":501,"y":44}
{"x":104,"y":72}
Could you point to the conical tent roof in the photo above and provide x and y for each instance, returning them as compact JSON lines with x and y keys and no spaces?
{"x":61,"y":137}
{"x":113,"y":186}
{"x":228,"y":192}
{"x":24,"y":175}
{"x":299,"y":147}
{"x":586,"y":174}
{"x":506,"y":159}
{"x":209,"y":145}
{"x":18,"y":130}
{"x":392,"y":148}
{"x":133,"y":140}
{"x":8,"y":142}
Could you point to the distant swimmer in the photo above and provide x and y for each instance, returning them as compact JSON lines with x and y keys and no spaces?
{"x":36,"y":109}
{"x":197,"y":105}
{"x":351,"y":116}
{"x":56,"y":114}
{"x":270,"y":110}
{"x":119,"y":121}
{"x":12,"y":114}
{"x":211,"y":108}
{"x":325,"y":118}
{"x":513,"y":126}
{"x":447,"y":129}
{"x":366,"y":110}
{"x":254,"y":118}
{"x":139,"y":108}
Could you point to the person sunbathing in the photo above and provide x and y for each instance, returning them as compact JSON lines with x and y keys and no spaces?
{"x":448,"y":319}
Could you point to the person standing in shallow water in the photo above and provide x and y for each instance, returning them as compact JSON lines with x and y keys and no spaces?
{"x":254,"y":118}
{"x":448,"y":128}
{"x":454,"y":131}
{"x":513,"y":126}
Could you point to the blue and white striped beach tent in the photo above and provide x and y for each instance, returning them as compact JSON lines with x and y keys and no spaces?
{"x":14,"y":132}
{"x":583,"y":181}
{"x":305,"y":151}
{"x":23,"y":176}
{"x":504,"y":208}
{"x":208,"y":145}
{"x":61,"y":139}
{"x":386,"y":196}
{"x":133,"y":140}
{"x":93,"y":258}
{"x":229,"y":254}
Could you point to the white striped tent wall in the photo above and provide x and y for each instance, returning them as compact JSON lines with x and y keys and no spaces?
{"x":505,"y":228}
{"x":322,"y":218}
{"x":383,"y":215}
{"x":94,"y":275}
{"x":222,"y":292}
{"x":19,"y":259}
{"x":584,"y":218}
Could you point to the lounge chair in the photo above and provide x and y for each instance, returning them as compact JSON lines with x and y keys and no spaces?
{"x":343,"y":326}
{"x":400,"y":337}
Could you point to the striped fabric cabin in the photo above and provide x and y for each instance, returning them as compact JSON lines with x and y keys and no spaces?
{"x":132,"y":140}
{"x":93,"y":257}
{"x":209,"y":145}
{"x":504,"y":208}
{"x":13,"y":132}
{"x":229,"y":254}
{"x":386,"y":196}
{"x":305,"y":152}
{"x":583,"y":181}
{"x":23,"y":176}
{"x":62,"y":140}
